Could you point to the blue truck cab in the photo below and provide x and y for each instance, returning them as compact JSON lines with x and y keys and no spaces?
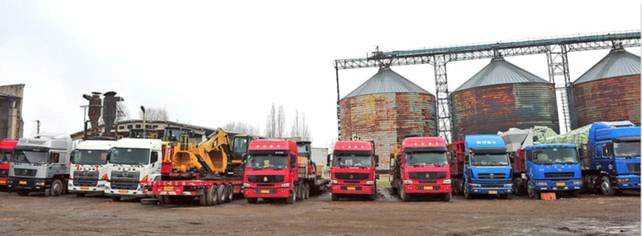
{"x":613,"y":157}
{"x":487,"y":169}
{"x":552,"y":168}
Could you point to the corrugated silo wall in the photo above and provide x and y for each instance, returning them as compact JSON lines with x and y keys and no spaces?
{"x":386,"y":117}
{"x":489,"y":109}
{"x":608,"y":100}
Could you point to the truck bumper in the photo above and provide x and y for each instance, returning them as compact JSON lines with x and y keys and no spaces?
{"x":266,"y":192}
{"x":99,"y":188}
{"x":4,"y":181}
{"x":30,"y":184}
{"x":491,"y":190}
{"x":427,"y":189}
{"x":559,"y":185}
{"x":345,"y":189}
{"x":125,"y":192}
{"x":627,"y":182}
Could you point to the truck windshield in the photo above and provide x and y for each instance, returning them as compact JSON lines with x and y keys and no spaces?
{"x":34,"y":157}
{"x":490,"y":159}
{"x":303,"y":150}
{"x":555,"y":156}
{"x":6,"y":156}
{"x":90,"y":157}
{"x":129,"y":156}
{"x":426,"y":158}
{"x":265,"y":161}
{"x":626,"y":149}
{"x":352,"y":160}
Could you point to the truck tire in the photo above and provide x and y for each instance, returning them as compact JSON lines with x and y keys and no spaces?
{"x":467,"y":194}
{"x":164,"y":200}
{"x":23,"y":192}
{"x":56,"y":187}
{"x":202,"y":200}
{"x":307,"y":191}
{"x":299,"y":191}
{"x":211,"y":195}
{"x":252,"y":200}
{"x":225,"y":194}
{"x":402,"y":195}
{"x":530,"y":191}
{"x":448,"y":197}
{"x":292,"y":198}
{"x":606,"y":187}
{"x":230,"y":193}
{"x":220,"y":194}
{"x":372,"y":196}
{"x":335,"y":197}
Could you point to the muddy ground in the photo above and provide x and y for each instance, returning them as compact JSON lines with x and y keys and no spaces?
{"x":586,"y":215}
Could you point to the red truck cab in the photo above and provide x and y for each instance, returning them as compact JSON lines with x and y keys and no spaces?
{"x":7,"y":147}
{"x":352,"y":170}
{"x":422,"y":168}
{"x":271,"y":170}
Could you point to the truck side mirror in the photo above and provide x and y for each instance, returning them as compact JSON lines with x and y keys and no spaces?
{"x":72,"y":157}
{"x":328,"y":159}
{"x":376,"y":159}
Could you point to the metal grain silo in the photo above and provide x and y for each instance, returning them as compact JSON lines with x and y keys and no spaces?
{"x":502,"y":96}
{"x":387,"y":108}
{"x":609,"y":91}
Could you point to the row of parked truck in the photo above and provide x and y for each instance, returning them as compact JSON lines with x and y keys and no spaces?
{"x":227,"y":165}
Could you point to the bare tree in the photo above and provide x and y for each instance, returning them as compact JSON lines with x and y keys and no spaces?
{"x":299,"y":127}
{"x":270,"y":126}
{"x":154,"y":114}
{"x":121,"y":111}
{"x":241,"y":127}
{"x":280,"y":122}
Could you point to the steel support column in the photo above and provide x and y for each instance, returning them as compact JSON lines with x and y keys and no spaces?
{"x":443,"y":103}
{"x":558,"y":74}
{"x":336,"y":67}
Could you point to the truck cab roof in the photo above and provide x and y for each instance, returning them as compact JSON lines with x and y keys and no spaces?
{"x":356,"y":145}
{"x":484,"y":141}
{"x":153,"y":144}
{"x":614,"y":130}
{"x":423,"y":142}
{"x":550,"y":146}
{"x":273,"y":144}
{"x":50,"y":141}
{"x":95,"y":145}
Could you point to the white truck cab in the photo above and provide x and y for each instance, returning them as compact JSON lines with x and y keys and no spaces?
{"x":130,"y":162}
{"x":88,"y":172}
{"x":41,"y":164}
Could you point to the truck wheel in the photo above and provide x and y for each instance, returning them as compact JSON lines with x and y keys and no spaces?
{"x":211,"y":195}
{"x":372,"y":196}
{"x":606,"y":186}
{"x":299,"y":191}
{"x":220,"y":194}
{"x":164,"y":200}
{"x":225,"y":194}
{"x":448,"y":197}
{"x":403,"y":195}
{"x":531,"y":192}
{"x":56,"y":187}
{"x":252,"y":200}
{"x":467,"y":194}
{"x":307,"y":191}
{"x":335,"y":197}
{"x":230,"y":193}
{"x":203,"y":199}
{"x":292,"y":198}
{"x":23,"y":192}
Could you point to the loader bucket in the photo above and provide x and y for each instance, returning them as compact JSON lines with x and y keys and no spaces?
{"x":219,"y":160}
{"x":185,"y":161}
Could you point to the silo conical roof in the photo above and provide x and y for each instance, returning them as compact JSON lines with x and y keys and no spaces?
{"x":500,"y":71}
{"x":617,"y":63}
{"x":386,"y":81}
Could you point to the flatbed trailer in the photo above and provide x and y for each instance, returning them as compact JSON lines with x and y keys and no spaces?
{"x":206,"y":192}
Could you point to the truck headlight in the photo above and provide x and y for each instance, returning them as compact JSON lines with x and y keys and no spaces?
{"x":447,"y":181}
{"x":369,"y":182}
{"x":40,"y":183}
{"x":508,"y":185}
{"x":285,"y":185}
{"x":619,"y":180}
{"x":407,"y":181}
{"x":577,"y":182}
{"x":334,"y":181}
{"x":541,"y":183}
{"x":246,"y":185}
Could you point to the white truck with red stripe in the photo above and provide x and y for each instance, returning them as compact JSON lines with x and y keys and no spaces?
{"x":131,"y":163}
{"x":88,"y":170}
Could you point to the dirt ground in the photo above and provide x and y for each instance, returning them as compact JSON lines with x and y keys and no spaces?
{"x":586,"y":215}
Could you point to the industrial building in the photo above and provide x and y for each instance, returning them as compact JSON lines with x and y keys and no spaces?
{"x":153,"y":129}
{"x":502,"y":96}
{"x":11,"y":124}
{"x":608,"y":91}
{"x":386,"y":108}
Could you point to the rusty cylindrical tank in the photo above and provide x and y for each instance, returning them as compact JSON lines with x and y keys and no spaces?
{"x":609,"y":91}
{"x":387,"y":108}
{"x":502,"y":96}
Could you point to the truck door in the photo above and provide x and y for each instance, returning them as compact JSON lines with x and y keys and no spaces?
{"x":294,"y":172}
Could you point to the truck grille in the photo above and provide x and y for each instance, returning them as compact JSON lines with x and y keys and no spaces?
{"x":265,"y":178}
{"x":492,"y":176}
{"x":559,"y":175}
{"x":85,"y":178}
{"x":634,"y":168}
{"x":4,"y":172}
{"x":352,"y":176}
{"x":427,"y":175}
{"x":130,"y":185}
{"x":25,"y":172}
{"x":492,"y":185}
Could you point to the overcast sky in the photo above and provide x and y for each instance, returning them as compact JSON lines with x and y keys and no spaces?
{"x":210,"y":62}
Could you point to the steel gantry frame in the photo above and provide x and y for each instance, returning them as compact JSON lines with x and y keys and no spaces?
{"x":556,"y":50}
